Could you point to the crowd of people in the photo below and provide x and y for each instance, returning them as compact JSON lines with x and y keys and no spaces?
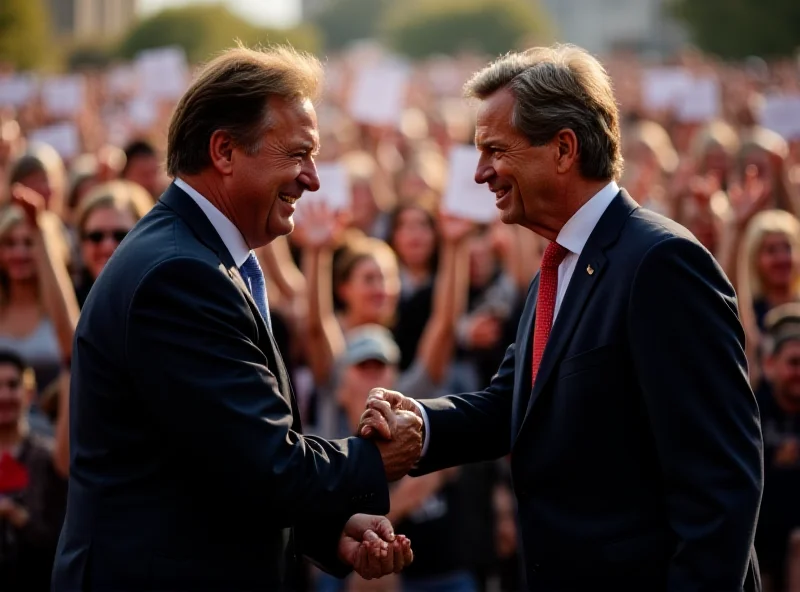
{"x":391,"y":291}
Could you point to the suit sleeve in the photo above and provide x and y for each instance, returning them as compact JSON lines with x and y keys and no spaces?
{"x":190,"y":343}
{"x":688,"y":349}
{"x":471,"y":427}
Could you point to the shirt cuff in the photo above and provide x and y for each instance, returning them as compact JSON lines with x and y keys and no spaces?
{"x":427,"y":427}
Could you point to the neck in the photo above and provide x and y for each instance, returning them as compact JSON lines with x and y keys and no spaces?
{"x":418,"y":273}
{"x":10,"y":436}
{"x":778,"y":295}
{"x":789,"y":405}
{"x":23,"y":292}
{"x":565,"y":204}
{"x":210,"y":187}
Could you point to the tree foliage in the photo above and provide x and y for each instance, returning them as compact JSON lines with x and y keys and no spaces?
{"x":24,"y":33}
{"x":449,"y":26}
{"x":204,"y":30}
{"x":345,"y":21}
{"x":739,"y":28}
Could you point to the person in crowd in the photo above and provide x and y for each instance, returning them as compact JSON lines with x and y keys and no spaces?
{"x":142,"y":166}
{"x":663,"y":432}
{"x":104,"y":219}
{"x":428,"y":509}
{"x":768,"y":273}
{"x":38,"y":310}
{"x":779,"y":404}
{"x":33,"y":481}
{"x":185,"y":430}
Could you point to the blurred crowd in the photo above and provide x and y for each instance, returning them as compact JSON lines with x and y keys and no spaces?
{"x":390,"y":290}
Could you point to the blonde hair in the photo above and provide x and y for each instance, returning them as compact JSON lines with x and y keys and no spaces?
{"x":121,"y":195}
{"x":230,"y":93}
{"x":50,"y":225}
{"x":715,"y":134}
{"x":657,"y":140}
{"x":762,"y":224}
{"x":559,"y":87}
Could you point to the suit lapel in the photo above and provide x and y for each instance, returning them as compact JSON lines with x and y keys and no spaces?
{"x":581,"y":285}
{"x":523,"y":362}
{"x":177,"y":200}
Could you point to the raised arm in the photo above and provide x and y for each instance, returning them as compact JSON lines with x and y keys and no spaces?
{"x":324,"y":338}
{"x":450,"y":294}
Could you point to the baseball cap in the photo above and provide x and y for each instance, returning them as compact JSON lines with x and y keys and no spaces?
{"x":371,"y":342}
{"x":782,"y":324}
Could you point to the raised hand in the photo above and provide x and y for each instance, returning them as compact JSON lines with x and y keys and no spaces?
{"x":368,"y":543}
{"x":453,"y":229}
{"x":30,"y":201}
{"x":318,"y":227}
{"x":750,"y":196}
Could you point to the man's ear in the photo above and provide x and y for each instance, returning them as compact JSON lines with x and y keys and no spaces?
{"x":566,"y":143}
{"x":220,"y":150}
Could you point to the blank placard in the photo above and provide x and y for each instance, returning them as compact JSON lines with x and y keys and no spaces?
{"x":379,"y":94}
{"x":464,"y":197}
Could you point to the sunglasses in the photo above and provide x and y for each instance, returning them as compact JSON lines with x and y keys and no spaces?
{"x":98,"y":236}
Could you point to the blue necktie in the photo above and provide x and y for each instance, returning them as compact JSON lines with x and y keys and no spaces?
{"x":251,"y":272}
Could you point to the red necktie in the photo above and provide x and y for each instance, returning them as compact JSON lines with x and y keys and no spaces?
{"x":546,"y":302}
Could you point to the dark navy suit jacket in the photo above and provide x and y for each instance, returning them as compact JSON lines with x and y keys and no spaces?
{"x":188,"y":470}
{"x":637,"y":457}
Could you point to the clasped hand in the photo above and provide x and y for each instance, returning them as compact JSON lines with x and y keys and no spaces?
{"x":370,"y":546}
{"x":395,"y":423}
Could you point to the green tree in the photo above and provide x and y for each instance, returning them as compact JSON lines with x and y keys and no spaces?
{"x":204,"y":30}
{"x":24,"y":33}
{"x":344,"y":21}
{"x":738,"y":28}
{"x":448,"y":26}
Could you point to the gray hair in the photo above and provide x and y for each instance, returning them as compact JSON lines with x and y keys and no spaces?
{"x":559,"y":87}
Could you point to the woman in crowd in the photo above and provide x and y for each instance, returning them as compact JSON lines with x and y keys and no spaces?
{"x":768,"y":272}
{"x":38,"y":310}
{"x":105,"y":216}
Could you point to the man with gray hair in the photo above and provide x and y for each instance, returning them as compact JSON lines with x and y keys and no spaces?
{"x":624,"y":402}
{"x":189,"y":469}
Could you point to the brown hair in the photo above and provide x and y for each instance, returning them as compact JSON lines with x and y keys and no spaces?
{"x":119,"y":194}
{"x":556,"y":88}
{"x":230,"y":93}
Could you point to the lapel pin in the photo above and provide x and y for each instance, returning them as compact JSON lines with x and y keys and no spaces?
{"x":589,"y":269}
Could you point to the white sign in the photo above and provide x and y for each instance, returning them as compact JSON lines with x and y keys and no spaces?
{"x":662,"y":88}
{"x":63,"y":96}
{"x":700,"y":101}
{"x":781,"y":114}
{"x":15,"y":91}
{"x":63,"y":137}
{"x":162,"y":72}
{"x":334,"y":187}
{"x":379,"y":94}
{"x":142,"y":112}
{"x":122,"y":81}
{"x":464,"y":197}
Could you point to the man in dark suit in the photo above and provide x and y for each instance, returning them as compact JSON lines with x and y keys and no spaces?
{"x":624,"y":402}
{"x":188,"y":467}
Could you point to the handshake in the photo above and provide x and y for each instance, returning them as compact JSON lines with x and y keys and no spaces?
{"x":395,"y":423}
{"x":368,"y":543}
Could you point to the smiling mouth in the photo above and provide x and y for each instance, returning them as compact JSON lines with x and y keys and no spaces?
{"x":501,"y":193}
{"x":289,"y":199}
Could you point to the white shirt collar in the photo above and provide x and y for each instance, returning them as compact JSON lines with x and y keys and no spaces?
{"x":576,"y":231}
{"x":227,"y":230}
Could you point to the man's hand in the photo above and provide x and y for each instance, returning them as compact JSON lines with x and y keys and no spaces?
{"x":369,"y":544}
{"x":379,"y":416}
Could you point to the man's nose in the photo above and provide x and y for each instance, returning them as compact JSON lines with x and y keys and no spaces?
{"x":309,"y":177}
{"x":483,"y":172}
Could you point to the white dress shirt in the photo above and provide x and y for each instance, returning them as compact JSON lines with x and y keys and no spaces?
{"x":573,"y":237}
{"x":231,"y":236}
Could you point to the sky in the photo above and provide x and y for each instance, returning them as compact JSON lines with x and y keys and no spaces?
{"x":277,"y":13}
